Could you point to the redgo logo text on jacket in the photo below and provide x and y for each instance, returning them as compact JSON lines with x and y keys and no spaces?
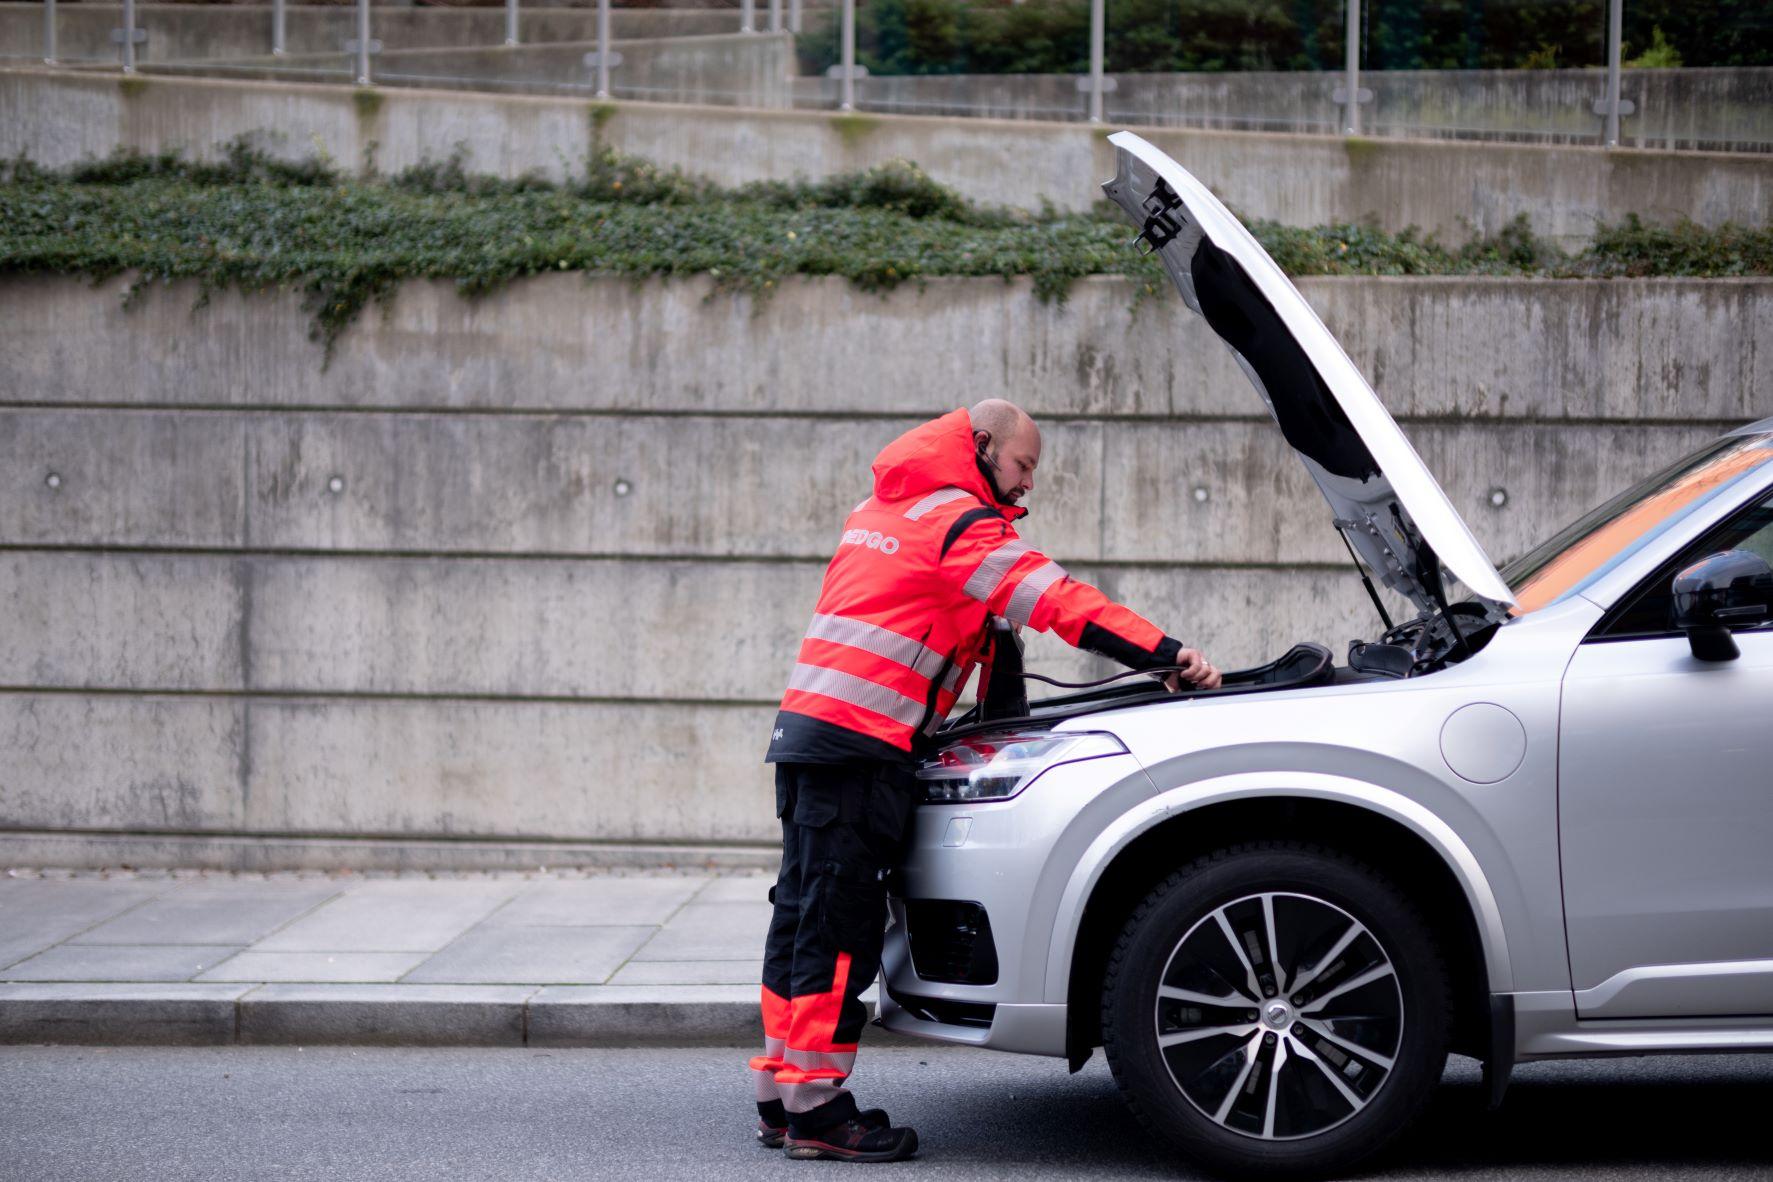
{"x":873,"y":539}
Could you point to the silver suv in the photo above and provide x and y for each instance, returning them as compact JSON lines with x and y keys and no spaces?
{"x":1530,"y":821}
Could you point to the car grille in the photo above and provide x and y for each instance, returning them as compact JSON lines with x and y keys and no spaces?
{"x":950,"y":942}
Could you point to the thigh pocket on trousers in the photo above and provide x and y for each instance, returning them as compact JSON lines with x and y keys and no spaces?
{"x":816,"y":804}
{"x":891,"y":797}
{"x":852,"y":913}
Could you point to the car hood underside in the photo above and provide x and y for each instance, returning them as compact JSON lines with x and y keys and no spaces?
{"x":1382,"y":498}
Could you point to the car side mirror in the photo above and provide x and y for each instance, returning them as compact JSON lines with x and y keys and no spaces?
{"x":1721,"y":591}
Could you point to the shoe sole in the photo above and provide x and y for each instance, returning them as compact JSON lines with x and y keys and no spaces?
{"x":820,"y":1151}
{"x":771,"y":1140}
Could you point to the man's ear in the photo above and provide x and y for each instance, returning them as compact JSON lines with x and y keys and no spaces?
{"x":981,"y":440}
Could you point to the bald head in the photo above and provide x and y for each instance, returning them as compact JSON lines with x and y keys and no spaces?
{"x":1008,"y":443}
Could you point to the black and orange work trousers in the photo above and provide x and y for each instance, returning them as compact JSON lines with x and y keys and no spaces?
{"x":844,"y":827}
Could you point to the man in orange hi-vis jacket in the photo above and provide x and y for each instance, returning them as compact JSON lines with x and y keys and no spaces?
{"x":902,"y":619}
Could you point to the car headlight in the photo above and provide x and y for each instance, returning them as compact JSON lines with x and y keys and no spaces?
{"x":997,"y":766}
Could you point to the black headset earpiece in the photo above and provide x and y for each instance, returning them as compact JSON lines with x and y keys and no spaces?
{"x":984,"y":456}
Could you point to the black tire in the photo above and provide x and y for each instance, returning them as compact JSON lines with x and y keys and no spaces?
{"x":1332,"y":1069}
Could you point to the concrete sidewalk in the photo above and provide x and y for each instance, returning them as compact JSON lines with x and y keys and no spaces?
{"x":563,"y":958}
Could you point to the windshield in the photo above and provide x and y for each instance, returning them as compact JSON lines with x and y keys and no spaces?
{"x":1594,"y":545}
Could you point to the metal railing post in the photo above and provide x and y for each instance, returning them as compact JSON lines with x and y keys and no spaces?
{"x":775,"y":16}
{"x":1351,"y":123}
{"x":363,"y":75}
{"x":747,"y":16}
{"x":1098,"y":39}
{"x":510,"y":22}
{"x":602,"y":49}
{"x":794,"y":16}
{"x":849,"y":56}
{"x":129,"y":36}
{"x":278,"y":27}
{"x":1615,"y":30}
{"x":49,"y":32}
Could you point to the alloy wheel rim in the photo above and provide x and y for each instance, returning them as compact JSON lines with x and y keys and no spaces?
{"x":1279,"y":1016}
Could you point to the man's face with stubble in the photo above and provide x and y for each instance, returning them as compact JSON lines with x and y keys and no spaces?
{"x":1011,"y":462}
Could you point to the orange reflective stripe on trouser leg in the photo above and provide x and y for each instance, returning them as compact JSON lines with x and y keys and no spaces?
{"x":813,"y":1019}
{"x":775,"y":1035}
{"x":816,"y":1064}
{"x":814,"y":1067}
{"x":775,"y":1014}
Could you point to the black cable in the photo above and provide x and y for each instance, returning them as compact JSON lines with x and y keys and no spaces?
{"x":1161,"y":669}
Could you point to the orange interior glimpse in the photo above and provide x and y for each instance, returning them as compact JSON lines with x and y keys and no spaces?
{"x":1586,"y":556}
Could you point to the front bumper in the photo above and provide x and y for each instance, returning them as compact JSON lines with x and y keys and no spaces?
{"x":1013,"y":858}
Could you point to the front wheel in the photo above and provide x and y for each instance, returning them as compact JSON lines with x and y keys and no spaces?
{"x":1276,"y":1009}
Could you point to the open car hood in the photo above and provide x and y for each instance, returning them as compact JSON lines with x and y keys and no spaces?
{"x":1382,"y":498}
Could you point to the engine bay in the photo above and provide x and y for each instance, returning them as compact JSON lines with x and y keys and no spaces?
{"x":1416,"y":647}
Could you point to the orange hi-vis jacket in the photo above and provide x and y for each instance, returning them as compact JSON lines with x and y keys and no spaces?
{"x":902,"y":616}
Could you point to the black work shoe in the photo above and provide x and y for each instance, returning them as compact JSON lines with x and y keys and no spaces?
{"x":772,"y":1123}
{"x":770,"y":1136}
{"x":853,"y":1140}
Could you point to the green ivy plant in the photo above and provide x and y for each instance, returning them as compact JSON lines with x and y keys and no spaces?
{"x":251,"y":222}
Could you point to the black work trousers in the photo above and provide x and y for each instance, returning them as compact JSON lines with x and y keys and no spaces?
{"x":843,"y":829}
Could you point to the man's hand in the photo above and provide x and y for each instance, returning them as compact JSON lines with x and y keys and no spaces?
{"x":1195,"y":671}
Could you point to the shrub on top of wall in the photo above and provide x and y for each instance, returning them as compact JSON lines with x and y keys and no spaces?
{"x":253,"y":222}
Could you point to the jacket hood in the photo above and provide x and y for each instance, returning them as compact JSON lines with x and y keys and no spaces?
{"x":937,"y":454}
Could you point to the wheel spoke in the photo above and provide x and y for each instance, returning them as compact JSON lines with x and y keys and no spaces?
{"x":1237,"y":1085}
{"x":1322,"y":1029}
{"x":1234,"y":998}
{"x":1274,"y":964}
{"x":1328,"y":958}
{"x":1366,"y":978}
{"x":1274,"y":1069}
{"x":1348,"y":1093}
{"x":1182,"y":1036}
{"x":1237,"y":947}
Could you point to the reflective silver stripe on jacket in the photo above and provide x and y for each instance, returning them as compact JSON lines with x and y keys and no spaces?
{"x":882,"y":642}
{"x":940,"y":497}
{"x":857,"y":691}
{"x":1029,"y":591}
{"x":991,"y":572}
{"x":952,"y":681}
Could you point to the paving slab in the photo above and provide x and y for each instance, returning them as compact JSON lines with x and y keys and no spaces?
{"x":599,"y":902}
{"x":393,"y":916}
{"x":385,"y":1015}
{"x":737,"y":888}
{"x":574,"y":955}
{"x":689,"y":972}
{"x":38,"y":913}
{"x":334,"y":967}
{"x":212,"y":913}
{"x":711,"y":931}
{"x":94,"y":1013}
{"x":119,"y":962}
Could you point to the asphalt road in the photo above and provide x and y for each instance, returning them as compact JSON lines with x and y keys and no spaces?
{"x":339,"y":1114}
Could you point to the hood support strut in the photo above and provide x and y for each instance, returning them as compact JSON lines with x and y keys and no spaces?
{"x":1360,"y":569}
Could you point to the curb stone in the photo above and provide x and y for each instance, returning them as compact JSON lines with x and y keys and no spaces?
{"x":184,"y":1014}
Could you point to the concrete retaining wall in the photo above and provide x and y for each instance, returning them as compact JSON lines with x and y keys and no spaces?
{"x":178,"y":32}
{"x":1719,"y":109}
{"x":731,"y":69}
{"x":577,"y":527}
{"x":1447,"y":188}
